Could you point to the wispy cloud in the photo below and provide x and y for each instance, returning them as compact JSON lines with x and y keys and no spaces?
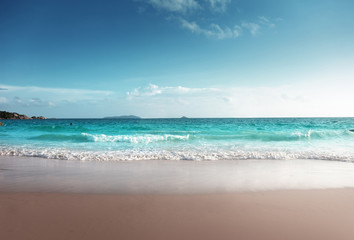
{"x":25,"y":102}
{"x":3,"y":89}
{"x":281,"y":101}
{"x":173,"y":101}
{"x":175,"y":5}
{"x":229,"y":102}
{"x":56,"y":91}
{"x":153,"y":90}
{"x":265,"y":21}
{"x":34,"y":96}
{"x":219,"y":5}
{"x":150,"y":90}
{"x":253,"y":28}
{"x":184,"y":6}
{"x":192,"y":22}
{"x":39,"y":102}
{"x":213,"y":31}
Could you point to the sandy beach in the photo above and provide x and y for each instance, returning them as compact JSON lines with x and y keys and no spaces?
{"x":300,"y":214}
{"x":54,"y":199}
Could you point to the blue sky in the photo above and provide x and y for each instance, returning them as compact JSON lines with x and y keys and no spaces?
{"x":168,"y":58}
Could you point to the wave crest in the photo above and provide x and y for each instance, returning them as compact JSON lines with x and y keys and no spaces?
{"x":148,"y":138}
{"x":60,"y":138}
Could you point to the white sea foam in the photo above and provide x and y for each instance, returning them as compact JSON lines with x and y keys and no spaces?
{"x":193,"y":155}
{"x":147,"y":138}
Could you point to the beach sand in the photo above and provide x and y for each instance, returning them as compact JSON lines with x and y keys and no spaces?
{"x":296,"y":214}
{"x":54,"y":199}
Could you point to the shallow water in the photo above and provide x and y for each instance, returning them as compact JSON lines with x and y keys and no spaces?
{"x":180,"y":139}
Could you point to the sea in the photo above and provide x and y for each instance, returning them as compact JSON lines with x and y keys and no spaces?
{"x":199,"y":139}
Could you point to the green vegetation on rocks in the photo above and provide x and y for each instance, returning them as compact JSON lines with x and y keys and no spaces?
{"x":13,"y":115}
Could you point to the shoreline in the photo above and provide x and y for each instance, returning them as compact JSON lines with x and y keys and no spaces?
{"x":24,"y":174}
{"x":286,"y":214}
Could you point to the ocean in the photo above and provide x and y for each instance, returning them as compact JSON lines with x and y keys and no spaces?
{"x":202,"y":139}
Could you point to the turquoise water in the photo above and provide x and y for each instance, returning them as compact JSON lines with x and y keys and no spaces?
{"x":180,"y":139}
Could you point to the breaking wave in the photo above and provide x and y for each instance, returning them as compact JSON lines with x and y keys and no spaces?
{"x":147,"y":138}
{"x":283,"y":136}
{"x":86,"y":137}
{"x":193,"y":155}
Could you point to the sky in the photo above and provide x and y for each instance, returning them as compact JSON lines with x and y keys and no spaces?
{"x":173,"y":58}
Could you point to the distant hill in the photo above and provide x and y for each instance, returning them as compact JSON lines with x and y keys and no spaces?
{"x":124,"y":117}
{"x":14,"y":115}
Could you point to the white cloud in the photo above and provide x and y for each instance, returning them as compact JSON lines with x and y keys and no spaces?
{"x":297,"y":100}
{"x":34,"y":100}
{"x":214,"y":30}
{"x":150,"y":90}
{"x":219,"y":5}
{"x":253,"y":28}
{"x":227,"y":99}
{"x":70,"y":94}
{"x":40,"y":103}
{"x":183,"y":6}
{"x":175,"y":5}
{"x":153,"y":90}
{"x":265,"y":21}
{"x":192,"y":26}
{"x":25,"y":102}
{"x":178,"y":8}
{"x":280,"y":101}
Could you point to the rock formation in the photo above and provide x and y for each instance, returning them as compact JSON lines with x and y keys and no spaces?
{"x":14,"y":115}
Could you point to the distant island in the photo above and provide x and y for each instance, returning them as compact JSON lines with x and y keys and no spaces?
{"x":14,"y":115}
{"x":124,"y":117}
{"x":184,"y":117}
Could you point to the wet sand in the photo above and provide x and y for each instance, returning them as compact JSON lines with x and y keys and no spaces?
{"x":296,"y":214}
{"x":24,"y":174}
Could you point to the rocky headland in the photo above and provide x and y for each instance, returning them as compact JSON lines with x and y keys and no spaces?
{"x":14,"y":115}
